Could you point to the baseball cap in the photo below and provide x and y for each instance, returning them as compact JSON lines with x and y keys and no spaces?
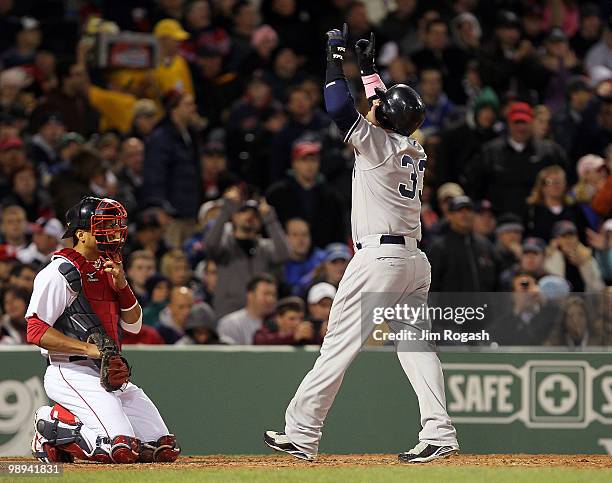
{"x":509,"y":222}
{"x":29,"y":23}
{"x":564,"y":227}
{"x":483,"y":205}
{"x":201,"y":316}
{"x":556,"y":35}
{"x":508,"y":19}
{"x":207,"y":207}
{"x":49,"y":226}
{"x":449,"y":190}
{"x":71,"y":137}
{"x":11,"y":143}
{"x":554,"y":287}
{"x":533,"y":245}
{"x":459,"y":202}
{"x":590,"y":162}
{"x":304,"y":148}
{"x":520,"y":112}
{"x":249,"y":205}
{"x":169,"y":27}
{"x":337,"y":251}
{"x":321,"y":291}
{"x":147,"y":219}
{"x":607,"y":226}
{"x":51,"y":117}
{"x":578,"y":83}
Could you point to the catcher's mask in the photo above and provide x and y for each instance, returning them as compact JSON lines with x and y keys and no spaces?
{"x":105,"y":218}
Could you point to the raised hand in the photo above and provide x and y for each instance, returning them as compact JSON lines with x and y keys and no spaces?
{"x":336,"y":44}
{"x":366,"y":54}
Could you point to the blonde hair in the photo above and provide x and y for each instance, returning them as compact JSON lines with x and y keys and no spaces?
{"x":170,"y":259}
{"x":536,"y":196}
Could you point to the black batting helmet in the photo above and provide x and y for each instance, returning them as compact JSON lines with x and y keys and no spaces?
{"x":401,"y":109}
{"x":79,"y":216}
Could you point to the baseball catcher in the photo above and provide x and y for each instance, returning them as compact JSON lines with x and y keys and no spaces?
{"x":79,"y":303}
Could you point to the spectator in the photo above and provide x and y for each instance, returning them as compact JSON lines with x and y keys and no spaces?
{"x":13,"y":229}
{"x":438,"y":55}
{"x":46,"y":239}
{"x":531,"y":261}
{"x":285,"y":74}
{"x":145,"y":116}
{"x":602,"y":201}
{"x":509,"y":61}
{"x":541,"y":122}
{"x":208,"y":276}
{"x":292,"y":25}
{"x":462,"y":261}
{"x":445,"y":194}
{"x":333,"y":266}
{"x":27,"y":42}
{"x":320,"y":298}
{"x":172,"y":165}
{"x":529,"y":320}
{"x":139,"y":268}
{"x":172,"y":73}
{"x":13,"y":324}
{"x":508,"y":235}
{"x":264,"y":42}
{"x":172,"y":319}
{"x":245,"y":19}
{"x":12,"y":157}
{"x":131,"y":162}
{"x":304,"y":194}
{"x":240,"y":252}
{"x":463,"y":142}
{"x":566,"y":121}
{"x":45,"y":142}
{"x":149,"y":235}
{"x":438,"y":107}
{"x":67,"y":148}
{"x":507,"y":166}
{"x":288,"y":326}
{"x":239,"y":327}
{"x":13,"y":95}
{"x":592,"y":174}
{"x":547,"y":204}
{"x":200,"y":326}
{"x":27,"y":193}
{"x":304,"y":257}
{"x":601,"y":53}
{"x":590,"y":30}
{"x":70,"y":100}
{"x":214,"y":170}
{"x":198,"y":23}
{"x":158,"y":293}
{"x":570,"y":259}
{"x":602,"y":249}
{"x":175,"y":266}
{"x":577,"y":327}
{"x":400,"y":24}
{"x":485,"y":222}
{"x":22,"y":275}
{"x":194,"y":247}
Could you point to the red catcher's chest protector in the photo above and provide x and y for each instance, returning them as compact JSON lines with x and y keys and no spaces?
{"x":97,"y":302}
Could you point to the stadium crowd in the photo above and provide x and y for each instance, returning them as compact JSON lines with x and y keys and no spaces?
{"x":237,"y":184}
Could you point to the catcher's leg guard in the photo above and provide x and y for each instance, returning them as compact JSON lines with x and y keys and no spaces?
{"x":42,"y":450}
{"x":164,"y":450}
{"x":125,"y":449}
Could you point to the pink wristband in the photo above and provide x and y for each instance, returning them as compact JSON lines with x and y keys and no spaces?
{"x":127,"y":299}
{"x":371,"y":82}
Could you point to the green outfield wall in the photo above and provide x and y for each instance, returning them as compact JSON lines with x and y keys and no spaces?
{"x":220,"y":400}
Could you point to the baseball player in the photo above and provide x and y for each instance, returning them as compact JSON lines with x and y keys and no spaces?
{"x":387,"y":181}
{"x":80,"y":301}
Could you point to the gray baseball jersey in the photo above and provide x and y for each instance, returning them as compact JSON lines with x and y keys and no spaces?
{"x":387,"y":182}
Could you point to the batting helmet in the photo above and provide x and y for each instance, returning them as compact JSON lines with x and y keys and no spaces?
{"x":401,"y":109}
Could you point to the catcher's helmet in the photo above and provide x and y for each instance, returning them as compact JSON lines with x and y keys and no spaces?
{"x":104,"y":217}
{"x":401,"y":109}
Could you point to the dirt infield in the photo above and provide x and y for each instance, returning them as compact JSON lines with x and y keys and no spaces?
{"x":324,"y":460}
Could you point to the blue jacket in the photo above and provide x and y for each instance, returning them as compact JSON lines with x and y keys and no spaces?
{"x":172,"y":170}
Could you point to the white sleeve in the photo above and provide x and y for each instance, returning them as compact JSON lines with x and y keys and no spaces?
{"x":51,"y":294}
{"x":132,"y":328}
{"x":372,"y":143}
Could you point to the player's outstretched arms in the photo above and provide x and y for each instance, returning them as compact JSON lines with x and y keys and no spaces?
{"x":54,"y":341}
{"x":338,"y":100}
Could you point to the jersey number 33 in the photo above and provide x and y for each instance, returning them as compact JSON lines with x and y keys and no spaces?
{"x":416,"y":173}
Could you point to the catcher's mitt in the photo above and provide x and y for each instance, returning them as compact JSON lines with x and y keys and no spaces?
{"x":114,"y":368}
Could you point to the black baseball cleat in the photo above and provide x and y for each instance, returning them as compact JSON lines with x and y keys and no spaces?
{"x":280,"y":442}
{"x":424,"y":452}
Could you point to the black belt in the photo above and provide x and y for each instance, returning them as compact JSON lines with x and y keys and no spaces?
{"x":76,"y":358}
{"x":388,"y":240}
